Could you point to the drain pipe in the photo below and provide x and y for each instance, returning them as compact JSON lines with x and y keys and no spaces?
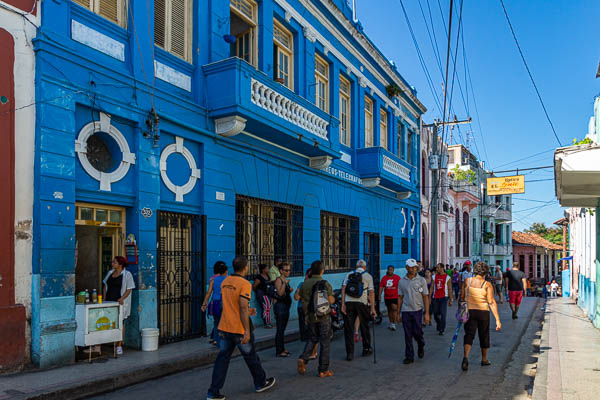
{"x":354,"y":19}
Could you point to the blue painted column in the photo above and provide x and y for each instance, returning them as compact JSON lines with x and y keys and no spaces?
{"x":265,"y":37}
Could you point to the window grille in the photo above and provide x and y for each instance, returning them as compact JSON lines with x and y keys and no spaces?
{"x":339,"y":241}
{"x":388,"y":245}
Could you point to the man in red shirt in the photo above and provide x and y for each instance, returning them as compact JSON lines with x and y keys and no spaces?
{"x":441,"y":296}
{"x":389,"y":287}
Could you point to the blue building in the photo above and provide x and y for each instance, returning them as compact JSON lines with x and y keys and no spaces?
{"x":208,"y":129}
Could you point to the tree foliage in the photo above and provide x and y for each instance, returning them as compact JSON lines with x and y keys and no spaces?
{"x":463,"y":175}
{"x":552,"y":234}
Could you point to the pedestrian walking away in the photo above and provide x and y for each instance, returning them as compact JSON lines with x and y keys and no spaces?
{"x":479,"y":295}
{"x":261,"y":288}
{"x":358,"y":300}
{"x":413,"y":302}
{"x":317,"y":297}
{"x":214,"y":307}
{"x":516,"y":283}
{"x":303,"y":325}
{"x":498,"y":280}
{"x":236,"y":330}
{"x":456,"y":283}
{"x":441,"y":297}
{"x":389,"y":287}
{"x":283,"y":302}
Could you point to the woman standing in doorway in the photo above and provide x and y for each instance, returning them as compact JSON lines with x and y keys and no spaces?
{"x":118,"y":284}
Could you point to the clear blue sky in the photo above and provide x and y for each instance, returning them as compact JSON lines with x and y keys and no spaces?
{"x":561,"y":44}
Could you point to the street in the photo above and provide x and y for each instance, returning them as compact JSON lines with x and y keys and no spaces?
{"x":434,"y":377}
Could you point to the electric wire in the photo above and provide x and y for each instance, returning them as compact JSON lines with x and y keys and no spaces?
{"x":529,"y":73}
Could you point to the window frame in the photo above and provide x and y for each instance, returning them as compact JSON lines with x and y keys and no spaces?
{"x":332,"y":257}
{"x":322,"y":81}
{"x":122,"y":9}
{"x":383,"y":128}
{"x":388,"y":245}
{"x":281,"y":48}
{"x":253,"y":22}
{"x":347,"y":119}
{"x":189,"y":29}
{"x":369,"y":123}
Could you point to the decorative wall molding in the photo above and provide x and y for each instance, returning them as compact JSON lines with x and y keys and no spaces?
{"x":309,"y":34}
{"x":362,"y":82}
{"x":414,"y":222}
{"x":276,"y":103}
{"x":403,"y":195}
{"x":404,"y":217}
{"x":229,"y":126}
{"x":347,"y":158}
{"x":371,"y":182}
{"x":320,"y":162}
{"x":395,"y":168}
{"x":98,"y":41}
{"x":195,"y":173}
{"x":172,"y":76}
{"x":128,"y":158}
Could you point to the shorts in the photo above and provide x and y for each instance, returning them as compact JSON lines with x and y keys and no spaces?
{"x":515,"y":297}
{"x":498,"y":287}
{"x":479,"y":322}
{"x":389,"y":302}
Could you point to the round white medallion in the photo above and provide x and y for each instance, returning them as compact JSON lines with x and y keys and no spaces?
{"x":128,"y":158}
{"x":178,"y":147}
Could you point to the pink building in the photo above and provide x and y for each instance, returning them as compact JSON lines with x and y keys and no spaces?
{"x":537,"y":257}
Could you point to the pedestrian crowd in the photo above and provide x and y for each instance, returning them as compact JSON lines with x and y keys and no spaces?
{"x":410,"y":301}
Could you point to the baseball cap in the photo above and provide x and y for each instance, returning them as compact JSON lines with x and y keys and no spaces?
{"x":411,"y":262}
{"x":468,"y":262}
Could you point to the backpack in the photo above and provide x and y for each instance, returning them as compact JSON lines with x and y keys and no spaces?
{"x":270,"y":290}
{"x":354,"y":287}
{"x":319,"y":304}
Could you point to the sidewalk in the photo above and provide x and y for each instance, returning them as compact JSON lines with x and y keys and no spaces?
{"x":569,"y":361}
{"x":82,"y":379}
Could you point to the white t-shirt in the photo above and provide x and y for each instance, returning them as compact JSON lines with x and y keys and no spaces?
{"x":554,"y":287}
{"x":367,"y":287}
{"x":465,"y":275}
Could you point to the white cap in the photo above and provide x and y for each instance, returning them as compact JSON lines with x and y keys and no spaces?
{"x":411,"y":262}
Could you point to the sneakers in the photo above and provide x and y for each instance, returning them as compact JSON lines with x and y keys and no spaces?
{"x":367,"y":352}
{"x":392,"y":327}
{"x":441,"y":333}
{"x":408,"y":361}
{"x":301,"y":366}
{"x":269,"y":383}
{"x":119,"y":350}
{"x":326,"y":374}
{"x":421,"y":352}
{"x":217,"y":396}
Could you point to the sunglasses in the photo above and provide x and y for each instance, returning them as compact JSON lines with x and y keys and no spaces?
{"x":286,"y":270}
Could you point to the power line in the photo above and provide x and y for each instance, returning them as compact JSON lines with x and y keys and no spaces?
{"x":529,"y":72}
{"x":525,"y":158}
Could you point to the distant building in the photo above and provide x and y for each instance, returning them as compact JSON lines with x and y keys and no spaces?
{"x":537,"y":257}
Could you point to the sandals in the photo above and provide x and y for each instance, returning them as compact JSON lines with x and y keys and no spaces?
{"x":485,"y":363}
{"x":465,"y":364}
{"x":284,"y":354}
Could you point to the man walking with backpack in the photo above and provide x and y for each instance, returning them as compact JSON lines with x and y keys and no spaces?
{"x":414,"y":298}
{"x":317,"y":296}
{"x":357,"y":296}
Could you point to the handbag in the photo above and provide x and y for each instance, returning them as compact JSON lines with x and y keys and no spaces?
{"x":462,"y":314}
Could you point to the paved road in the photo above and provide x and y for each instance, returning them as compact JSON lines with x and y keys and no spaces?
{"x":434,"y":377}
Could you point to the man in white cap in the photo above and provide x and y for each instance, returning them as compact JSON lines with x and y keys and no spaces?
{"x":413,"y":300}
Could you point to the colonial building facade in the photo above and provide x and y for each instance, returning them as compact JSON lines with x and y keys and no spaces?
{"x":205,"y":130}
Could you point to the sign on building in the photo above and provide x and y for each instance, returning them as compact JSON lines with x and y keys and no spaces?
{"x":506,"y":185}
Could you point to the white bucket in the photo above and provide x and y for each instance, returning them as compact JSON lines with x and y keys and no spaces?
{"x":150,"y":339}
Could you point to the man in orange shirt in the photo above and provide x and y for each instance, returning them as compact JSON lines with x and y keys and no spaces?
{"x":236,"y":330}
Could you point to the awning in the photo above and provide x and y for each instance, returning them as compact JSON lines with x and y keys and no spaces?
{"x":565,"y":258}
{"x":577,"y":175}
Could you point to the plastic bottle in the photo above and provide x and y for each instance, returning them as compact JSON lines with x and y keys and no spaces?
{"x":94,"y":296}
{"x":87,"y":296}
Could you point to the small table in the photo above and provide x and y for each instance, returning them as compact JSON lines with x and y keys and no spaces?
{"x":98,"y":324}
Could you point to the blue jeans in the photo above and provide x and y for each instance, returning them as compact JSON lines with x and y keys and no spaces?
{"x":282,"y":316}
{"x":440,"y":309}
{"x":412,"y":322}
{"x":227,"y":343}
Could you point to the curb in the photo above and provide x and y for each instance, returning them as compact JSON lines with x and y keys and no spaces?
{"x":134,"y":376}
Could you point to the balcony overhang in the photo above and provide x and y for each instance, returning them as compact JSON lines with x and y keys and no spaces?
{"x":577,"y":175}
{"x":245,"y":100}
{"x":375,"y":164}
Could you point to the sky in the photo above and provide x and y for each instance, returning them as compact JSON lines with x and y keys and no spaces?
{"x":561,"y":45}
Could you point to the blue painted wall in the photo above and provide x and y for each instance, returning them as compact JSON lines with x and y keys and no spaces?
{"x":75,"y":82}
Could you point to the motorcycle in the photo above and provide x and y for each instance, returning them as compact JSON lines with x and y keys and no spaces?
{"x":337,"y":318}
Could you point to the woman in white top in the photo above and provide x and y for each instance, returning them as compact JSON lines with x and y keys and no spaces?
{"x":118,"y":284}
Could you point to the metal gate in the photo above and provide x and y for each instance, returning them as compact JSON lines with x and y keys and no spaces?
{"x":373,"y":257}
{"x":181,"y":275}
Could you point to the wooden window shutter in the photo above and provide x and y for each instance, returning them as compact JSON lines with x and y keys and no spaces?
{"x":84,"y":3}
{"x":179,"y":28}
{"x":109,"y":9}
{"x":159,"y":22}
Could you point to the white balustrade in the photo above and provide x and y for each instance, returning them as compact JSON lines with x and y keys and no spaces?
{"x":276,"y":103}
{"x":395,"y":168}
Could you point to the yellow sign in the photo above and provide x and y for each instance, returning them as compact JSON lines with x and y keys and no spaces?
{"x":506,"y":185}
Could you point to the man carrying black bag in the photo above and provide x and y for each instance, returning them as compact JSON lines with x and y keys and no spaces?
{"x":317,"y":296}
{"x":358,"y":295}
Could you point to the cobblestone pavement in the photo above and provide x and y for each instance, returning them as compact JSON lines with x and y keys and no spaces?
{"x":434,"y":377}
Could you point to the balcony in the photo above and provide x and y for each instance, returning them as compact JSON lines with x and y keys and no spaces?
{"x":379,"y":167}
{"x":243,"y":99}
{"x":497,"y":212}
{"x":466,"y":193}
{"x":497,"y":249}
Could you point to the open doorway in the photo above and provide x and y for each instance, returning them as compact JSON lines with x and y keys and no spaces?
{"x":99,"y":235}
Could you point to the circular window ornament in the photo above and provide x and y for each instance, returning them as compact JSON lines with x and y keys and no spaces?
{"x":178,"y":147}
{"x":81,"y":148}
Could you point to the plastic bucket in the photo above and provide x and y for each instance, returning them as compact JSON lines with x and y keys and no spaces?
{"x":150,"y":339}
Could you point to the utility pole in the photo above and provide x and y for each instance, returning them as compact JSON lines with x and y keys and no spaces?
{"x":437,"y":154}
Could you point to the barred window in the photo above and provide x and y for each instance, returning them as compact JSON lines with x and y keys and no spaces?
{"x":404,"y":245}
{"x":388,"y":245}
{"x":339,"y":241}
{"x":266,"y":231}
